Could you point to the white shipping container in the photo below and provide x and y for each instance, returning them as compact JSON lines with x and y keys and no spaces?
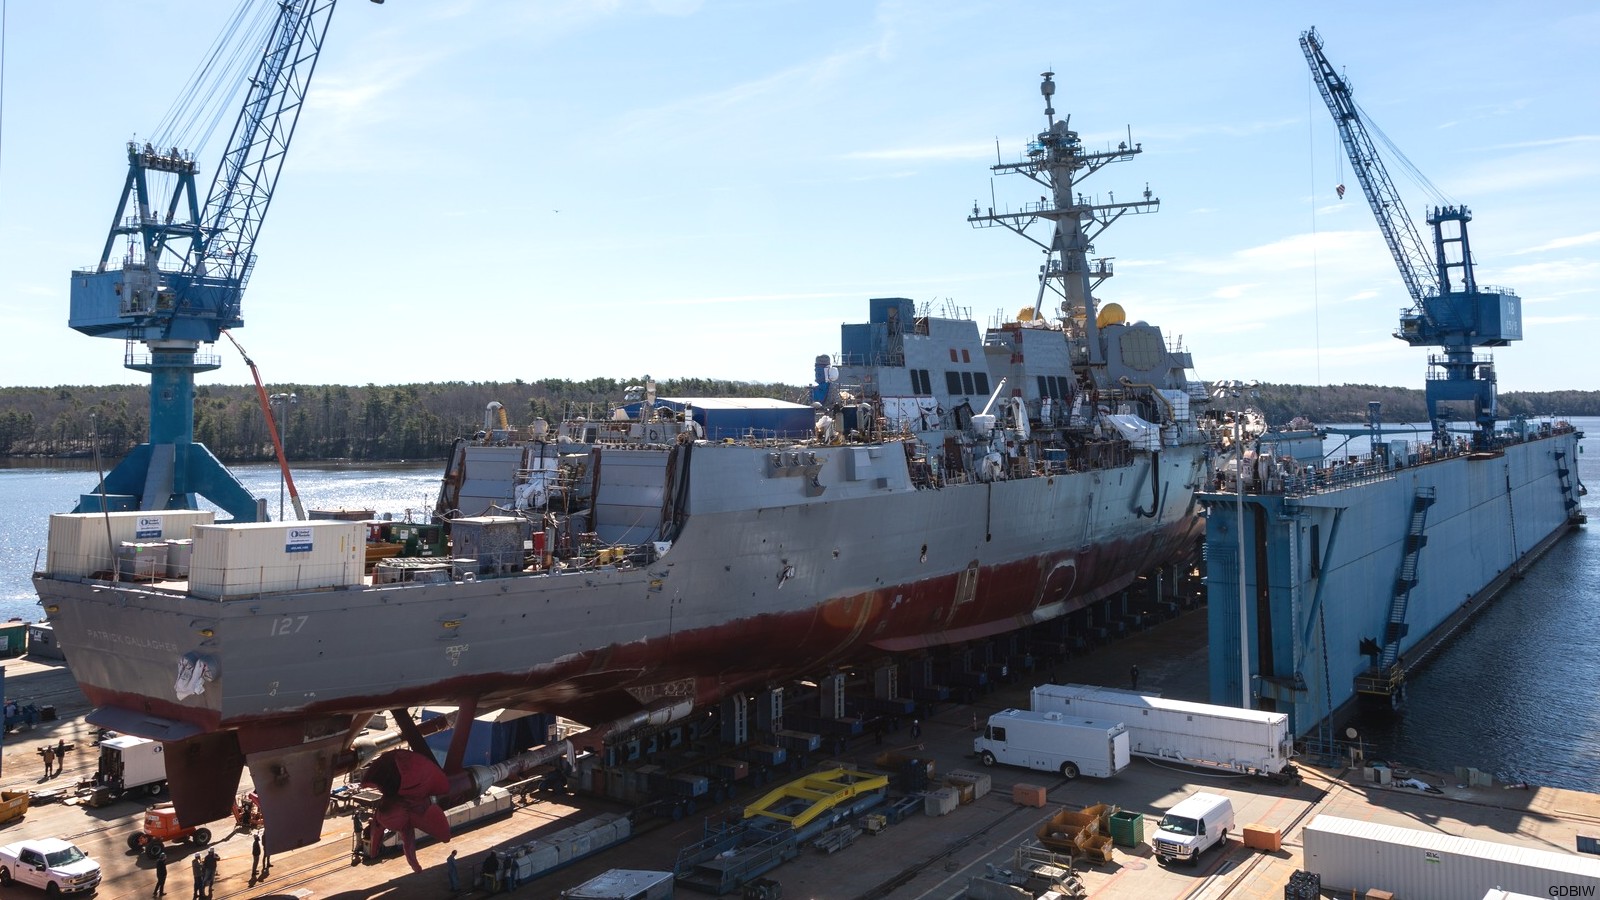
{"x":1203,"y":734}
{"x":267,"y":557}
{"x":1426,"y":865}
{"x":84,"y":543}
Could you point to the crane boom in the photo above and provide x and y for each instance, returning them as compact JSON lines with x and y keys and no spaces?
{"x":1454,"y":314}
{"x":260,"y":142}
{"x":1410,"y":254}
{"x":180,"y":280}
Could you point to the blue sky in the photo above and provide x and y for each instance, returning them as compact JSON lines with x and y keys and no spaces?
{"x":489,"y":190}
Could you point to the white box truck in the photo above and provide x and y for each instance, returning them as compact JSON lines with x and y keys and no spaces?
{"x":1054,"y":742}
{"x":1251,"y":741}
{"x":130,"y":764}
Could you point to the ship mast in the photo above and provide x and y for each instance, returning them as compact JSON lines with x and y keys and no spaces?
{"x":1058,"y":162}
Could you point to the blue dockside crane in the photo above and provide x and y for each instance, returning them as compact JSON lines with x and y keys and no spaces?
{"x":1449,"y":310}
{"x":182,"y":270}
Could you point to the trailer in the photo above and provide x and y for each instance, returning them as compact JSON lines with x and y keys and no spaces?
{"x":624,"y":884}
{"x":1251,"y":741}
{"x":537,"y":857}
{"x":1054,"y":742}
{"x":1426,"y":865}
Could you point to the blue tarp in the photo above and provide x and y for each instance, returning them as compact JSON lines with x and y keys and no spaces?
{"x":740,"y":417}
{"x":495,"y":736}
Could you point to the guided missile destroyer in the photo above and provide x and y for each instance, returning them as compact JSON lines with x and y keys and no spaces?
{"x":943,"y":482}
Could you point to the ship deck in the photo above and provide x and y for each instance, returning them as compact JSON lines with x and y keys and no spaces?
{"x":922,"y":857}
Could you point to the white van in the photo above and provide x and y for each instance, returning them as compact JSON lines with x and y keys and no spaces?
{"x":1189,"y":828}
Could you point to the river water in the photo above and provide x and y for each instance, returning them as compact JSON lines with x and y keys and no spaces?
{"x":1514,"y":694}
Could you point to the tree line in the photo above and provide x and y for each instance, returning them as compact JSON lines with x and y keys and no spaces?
{"x":374,"y":422}
{"x":1343,"y":404}
{"x":420,"y":421}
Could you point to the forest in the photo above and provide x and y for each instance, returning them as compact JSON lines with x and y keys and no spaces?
{"x":419,"y":421}
{"x":379,"y":423}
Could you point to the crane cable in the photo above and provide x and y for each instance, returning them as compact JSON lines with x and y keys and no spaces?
{"x":1312,"y":97}
{"x":5,"y":7}
{"x":210,"y":94}
{"x":1412,"y":172}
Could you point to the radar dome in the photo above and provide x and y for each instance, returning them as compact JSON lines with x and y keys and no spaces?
{"x":1110,"y":314}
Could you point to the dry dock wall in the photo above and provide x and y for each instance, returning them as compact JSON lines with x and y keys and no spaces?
{"x":1426,"y":865}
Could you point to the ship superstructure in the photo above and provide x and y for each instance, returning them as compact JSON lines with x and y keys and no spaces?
{"x":942,"y":483}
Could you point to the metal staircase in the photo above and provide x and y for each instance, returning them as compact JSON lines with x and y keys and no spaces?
{"x":1385,"y":678}
{"x":1415,"y":541}
{"x":1569,"y":497}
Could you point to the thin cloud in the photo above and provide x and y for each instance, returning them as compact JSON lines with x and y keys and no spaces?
{"x":1548,"y":142}
{"x":1300,"y":251}
{"x":1579,"y":240}
{"x":771,"y":94}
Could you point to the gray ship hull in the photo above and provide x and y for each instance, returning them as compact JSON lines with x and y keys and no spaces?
{"x":754,"y":588}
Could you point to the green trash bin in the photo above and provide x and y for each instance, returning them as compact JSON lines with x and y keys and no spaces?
{"x":1127,"y":828}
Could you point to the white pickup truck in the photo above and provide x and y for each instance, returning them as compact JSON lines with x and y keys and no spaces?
{"x":52,"y":864}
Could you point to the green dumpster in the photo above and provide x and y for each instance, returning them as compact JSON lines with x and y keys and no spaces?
{"x":1127,"y":828}
{"x":13,"y":638}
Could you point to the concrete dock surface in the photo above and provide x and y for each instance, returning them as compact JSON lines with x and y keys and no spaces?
{"x":921,"y":857}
